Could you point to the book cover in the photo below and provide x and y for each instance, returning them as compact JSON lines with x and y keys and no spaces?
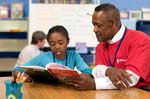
{"x":38,"y":73}
{"x":4,"y":11}
{"x":16,"y":10}
{"x":51,"y":71}
{"x":59,"y":70}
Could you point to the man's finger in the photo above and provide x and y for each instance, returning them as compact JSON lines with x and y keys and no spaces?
{"x":127,"y":76}
{"x":125,"y":81}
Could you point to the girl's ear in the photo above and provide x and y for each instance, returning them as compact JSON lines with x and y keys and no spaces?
{"x":68,"y":40}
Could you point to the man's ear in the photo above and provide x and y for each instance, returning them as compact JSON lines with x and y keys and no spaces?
{"x":112,"y":23}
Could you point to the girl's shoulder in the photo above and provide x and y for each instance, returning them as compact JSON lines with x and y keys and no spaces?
{"x":49,"y":53}
{"x":72,"y":54}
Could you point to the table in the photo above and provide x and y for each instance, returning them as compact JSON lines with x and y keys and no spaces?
{"x":59,"y":91}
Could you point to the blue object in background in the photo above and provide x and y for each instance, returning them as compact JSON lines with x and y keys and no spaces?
{"x":13,"y":90}
{"x":25,"y":6}
{"x":143,"y":25}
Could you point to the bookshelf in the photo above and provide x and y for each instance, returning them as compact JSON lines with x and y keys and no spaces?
{"x":67,"y":1}
{"x":13,"y":37}
{"x":13,"y":33}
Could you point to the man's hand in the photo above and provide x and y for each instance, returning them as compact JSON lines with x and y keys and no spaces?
{"x":119,"y":77}
{"x":83,"y":82}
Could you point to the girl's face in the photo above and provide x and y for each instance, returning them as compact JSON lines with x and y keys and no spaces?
{"x":58,"y":44}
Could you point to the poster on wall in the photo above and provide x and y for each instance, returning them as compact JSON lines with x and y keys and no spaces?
{"x":81,"y":47}
{"x":135,"y":14}
{"x":4,"y":11}
{"x":124,"y":14}
{"x":146,"y":13}
{"x":16,"y":10}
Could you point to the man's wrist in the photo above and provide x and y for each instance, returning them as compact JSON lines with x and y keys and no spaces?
{"x":107,"y":71}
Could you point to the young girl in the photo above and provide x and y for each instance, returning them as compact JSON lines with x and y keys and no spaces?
{"x":58,"y":40}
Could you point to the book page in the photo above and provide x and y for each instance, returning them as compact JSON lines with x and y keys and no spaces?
{"x":56,"y":66}
{"x":38,"y":68}
{"x":59,"y":70}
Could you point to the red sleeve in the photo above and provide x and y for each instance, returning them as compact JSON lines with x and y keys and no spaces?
{"x":139,"y":57}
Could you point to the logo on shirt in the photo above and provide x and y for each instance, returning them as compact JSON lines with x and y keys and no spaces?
{"x":121,"y":60}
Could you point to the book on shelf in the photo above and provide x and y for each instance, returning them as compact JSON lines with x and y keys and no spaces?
{"x":4,"y":10}
{"x":135,"y":14}
{"x":16,"y":10}
{"x":51,"y":70}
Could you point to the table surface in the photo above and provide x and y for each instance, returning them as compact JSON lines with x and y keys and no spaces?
{"x":59,"y":91}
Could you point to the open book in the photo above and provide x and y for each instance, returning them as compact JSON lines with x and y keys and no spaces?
{"x":51,"y":70}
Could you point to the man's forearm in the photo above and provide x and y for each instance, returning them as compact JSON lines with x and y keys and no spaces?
{"x":103,"y":82}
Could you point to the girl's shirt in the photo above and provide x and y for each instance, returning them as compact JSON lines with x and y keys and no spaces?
{"x":71,"y":60}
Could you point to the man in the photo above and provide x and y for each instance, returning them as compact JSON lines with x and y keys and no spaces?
{"x":122,"y":56}
{"x":32,"y":50}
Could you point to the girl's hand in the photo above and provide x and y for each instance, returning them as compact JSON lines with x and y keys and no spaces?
{"x":21,"y":77}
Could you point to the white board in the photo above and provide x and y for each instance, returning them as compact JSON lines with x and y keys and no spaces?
{"x":74,"y":17}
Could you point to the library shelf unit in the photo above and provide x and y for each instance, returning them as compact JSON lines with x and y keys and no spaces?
{"x":13,"y":37}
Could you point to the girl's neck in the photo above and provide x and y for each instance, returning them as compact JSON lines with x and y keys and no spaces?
{"x":60,"y":56}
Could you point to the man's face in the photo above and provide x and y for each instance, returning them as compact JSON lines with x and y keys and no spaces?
{"x":103,"y":27}
{"x":41,"y":43}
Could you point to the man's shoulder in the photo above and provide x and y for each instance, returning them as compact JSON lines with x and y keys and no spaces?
{"x":136,"y":33}
{"x":28,"y":47}
{"x":137,"y":36}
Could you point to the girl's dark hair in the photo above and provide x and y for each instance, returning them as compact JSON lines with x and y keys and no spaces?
{"x":60,"y":29}
{"x":38,"y":36}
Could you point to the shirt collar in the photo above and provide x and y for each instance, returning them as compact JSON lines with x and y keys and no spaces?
{"x":35,"y":46}
{"x":118,"y":35}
